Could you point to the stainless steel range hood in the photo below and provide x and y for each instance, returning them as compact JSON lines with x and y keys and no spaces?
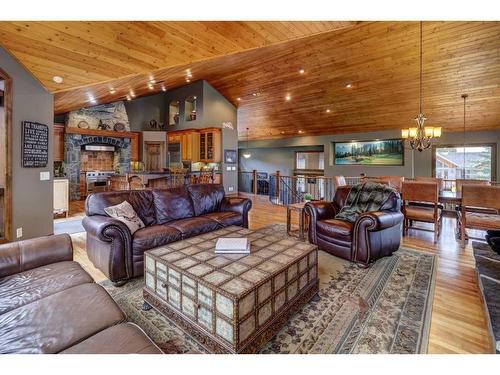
{"x":99,"y":148}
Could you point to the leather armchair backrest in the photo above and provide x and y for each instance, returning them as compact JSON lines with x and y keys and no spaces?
{"x":141,"y":200}
{"x":172,"y":204}
{"x":392,"y":204}
{"x":206,"y":198}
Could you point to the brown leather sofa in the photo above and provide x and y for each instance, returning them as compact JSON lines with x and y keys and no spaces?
{"x":169,"y":215}
{"x":49,"y":304}
{"x":373,"y":235}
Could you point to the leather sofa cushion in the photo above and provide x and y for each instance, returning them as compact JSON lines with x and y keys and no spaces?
{"x":420,"y":213}
{"x":125,"y":338}
{"x":226,"y":218}
{"x":172,"y":204}
{"x":339,"y":229}
{"x":56,"y":322}
{"x":194,"y":226}
{"x":153,"y":236}
{"x":206,"y":198}
{"x":141,"y":200}
{"x":25,"y":287}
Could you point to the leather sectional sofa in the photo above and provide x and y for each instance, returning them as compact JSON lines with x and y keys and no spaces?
{"x":373,"y":235}
{"x":49,"y":304}
{"x":169,"y":215}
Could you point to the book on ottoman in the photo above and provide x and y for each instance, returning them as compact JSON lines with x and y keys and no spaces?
{"x":232,"y":246}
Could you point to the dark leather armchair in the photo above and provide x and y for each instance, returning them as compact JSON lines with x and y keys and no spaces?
{"x":373,"y":235}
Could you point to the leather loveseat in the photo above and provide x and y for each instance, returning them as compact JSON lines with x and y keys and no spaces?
{"x":49,"y":304}
{"x":169,"y":215}
{"x":373,"y":235}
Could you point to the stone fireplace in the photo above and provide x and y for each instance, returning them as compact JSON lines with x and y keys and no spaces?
{"x":73,"y":153}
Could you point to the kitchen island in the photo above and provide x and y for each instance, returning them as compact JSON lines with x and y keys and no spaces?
{"x":157,"y":179}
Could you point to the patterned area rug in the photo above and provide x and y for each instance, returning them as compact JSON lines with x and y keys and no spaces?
{"x":383,"y":309}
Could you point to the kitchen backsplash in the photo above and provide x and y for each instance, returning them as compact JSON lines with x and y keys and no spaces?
{"x":97,"y":161}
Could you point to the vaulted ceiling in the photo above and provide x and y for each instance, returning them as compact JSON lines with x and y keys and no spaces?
{"x":287,"y":78}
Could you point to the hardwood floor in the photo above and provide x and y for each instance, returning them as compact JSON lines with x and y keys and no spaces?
{"x":458,"y":323}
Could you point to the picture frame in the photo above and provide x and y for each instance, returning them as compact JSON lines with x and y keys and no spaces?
{"x":378,"y":152}
{"x":230,"y":157}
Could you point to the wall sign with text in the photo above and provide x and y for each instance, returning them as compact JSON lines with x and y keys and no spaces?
{"x":35,"y":145}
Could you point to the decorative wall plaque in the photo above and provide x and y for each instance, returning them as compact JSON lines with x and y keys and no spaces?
{"x":35,"y":145}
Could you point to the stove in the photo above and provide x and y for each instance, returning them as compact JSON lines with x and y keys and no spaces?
{"x":97,"y":180}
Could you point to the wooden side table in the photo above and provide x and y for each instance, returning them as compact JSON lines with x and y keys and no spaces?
{"x":299,"y":208}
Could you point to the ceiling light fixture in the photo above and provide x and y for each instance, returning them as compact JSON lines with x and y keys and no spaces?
{"x":328,"y":110}
{"x":129,"y":98}
{"x":188,"y":80}
{"x":246,"y":153}
{"x":150,"y":86}
{"x":301,"y":131}
{"x":112,"y":90}
{"x":163,"y":88}
{"x":132,"y":94}
{"x":349,"y":85}
{"x":92,"y":99}
{"x":302,"y":71}
{"x":288,"y":97}
{"x":238,"y":99}
{"x":420,"y":137}
{"x":58,"y":79}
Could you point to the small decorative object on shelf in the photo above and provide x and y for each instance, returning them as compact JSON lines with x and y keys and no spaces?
{"x":176,"y":118}
{"x":153,"y":124}
{"x":307,"y":197}
{"x":192,"y":115}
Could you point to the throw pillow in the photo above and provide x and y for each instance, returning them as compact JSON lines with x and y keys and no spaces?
{"x":125,"y":213}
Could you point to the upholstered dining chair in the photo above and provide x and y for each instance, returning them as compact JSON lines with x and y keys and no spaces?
{"x":428,"y":209}
{"x":479,"y":196}
{"x":395,"y":182}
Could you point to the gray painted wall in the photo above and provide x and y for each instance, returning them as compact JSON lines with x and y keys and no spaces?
{"x":272,"y":159}
{"x":32,"y":199}
{"x":142,"y":110}
{"x":416,"y":163}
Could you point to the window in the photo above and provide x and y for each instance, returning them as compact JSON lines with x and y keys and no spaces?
{"x":310,"y":160}
{"x":477,"y":162}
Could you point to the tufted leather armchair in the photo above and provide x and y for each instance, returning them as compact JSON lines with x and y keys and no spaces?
{"x":374,"y":234}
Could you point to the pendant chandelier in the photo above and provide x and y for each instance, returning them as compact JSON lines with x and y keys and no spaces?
{"x":420,"y":137}
{"x":247,"y":153}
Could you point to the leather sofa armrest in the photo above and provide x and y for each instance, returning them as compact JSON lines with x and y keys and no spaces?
{"x":21,"y":256}
{"x":237,"y":204}
{"x":105,"y":228}
{"x":379,"y":220}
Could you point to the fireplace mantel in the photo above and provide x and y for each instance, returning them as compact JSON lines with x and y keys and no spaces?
{"x":100,"y":133}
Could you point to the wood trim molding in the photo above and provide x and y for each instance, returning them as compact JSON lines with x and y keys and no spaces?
{"x":101,"y":133}
{"x":8,"y":170}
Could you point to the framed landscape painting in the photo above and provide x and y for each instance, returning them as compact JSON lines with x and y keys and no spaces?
{"x":380,"y":152}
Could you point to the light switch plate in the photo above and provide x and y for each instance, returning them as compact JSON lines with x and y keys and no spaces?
{"x":44,"y":176}
{"x":230,"y":188}
{"x":233,"y":168}
{"x":19,"y":232}
{"x":228,"y":168}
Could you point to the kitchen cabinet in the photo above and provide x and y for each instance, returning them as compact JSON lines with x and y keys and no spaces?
{"x":61,"y":196}
{"x":210,"y":145}
{"x":135,"y":146}
{"x":189,"y":141}
{"x":58,"y":142}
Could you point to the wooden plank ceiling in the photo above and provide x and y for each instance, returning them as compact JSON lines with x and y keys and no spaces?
{"x":357,"y":76}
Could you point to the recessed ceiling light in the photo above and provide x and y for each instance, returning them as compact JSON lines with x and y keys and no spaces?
{"x":302,"y":71}
{"x":129,"y":98}
{"x":163,"y":88}
{"x":91,"y":99}
{"x":150,"y":86}
{"x":349,"y":85}
{"x":328,"y":110}
{"x":256,"y":93}
{"x":188,"y":80}
{"x":58,"y":79}
{"x":238,"y":99}
{"x":301,"y":131}
{"x":189,"y":74}
{"x":132,"y":94}
{"x":112,"y":90}
{"x":282,"y":132}
{"x":288,"y":97}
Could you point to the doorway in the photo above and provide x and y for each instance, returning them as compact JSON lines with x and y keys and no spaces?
{"x":154,"y":155}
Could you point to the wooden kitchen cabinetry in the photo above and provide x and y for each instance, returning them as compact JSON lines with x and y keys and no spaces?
{"x":58,"y":144}
{"x":189,"y":141}
{"x":210,"y":145}
{"x":135,"y":146}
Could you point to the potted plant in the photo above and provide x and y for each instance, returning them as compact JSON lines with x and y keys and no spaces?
{"x":307,"y":197}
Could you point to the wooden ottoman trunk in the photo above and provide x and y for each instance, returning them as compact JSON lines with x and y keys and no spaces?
{"x":231,"y":303}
